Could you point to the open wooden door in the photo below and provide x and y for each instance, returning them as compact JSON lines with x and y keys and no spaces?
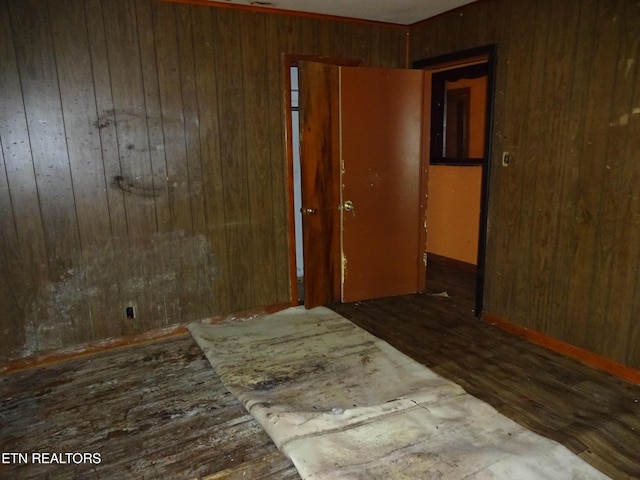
{"x":320,"y":179}
{"x":363,"y":222}
{"x":382,"y":206}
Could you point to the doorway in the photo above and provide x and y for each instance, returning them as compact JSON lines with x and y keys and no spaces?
{"x":290,"y":75}
{"x":460,"y":120}
{"x":484,"y":55}
{"x":363,"y":217}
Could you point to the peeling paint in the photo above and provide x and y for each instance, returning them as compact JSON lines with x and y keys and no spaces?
{"x":622,"y":121}
{"x":627,"y":65}
{"x":343,"y":271}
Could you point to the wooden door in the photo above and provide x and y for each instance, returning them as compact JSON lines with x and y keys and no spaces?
{"x":320,"y":181}
{"x":360,"y":146}
{"x":382,"y":214}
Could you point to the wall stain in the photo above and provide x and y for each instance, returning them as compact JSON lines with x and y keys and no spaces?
{"x":135,"y":187}
{"x":57,"y":313}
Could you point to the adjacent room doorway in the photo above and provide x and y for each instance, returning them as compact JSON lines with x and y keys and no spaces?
{"x":461,"y":105}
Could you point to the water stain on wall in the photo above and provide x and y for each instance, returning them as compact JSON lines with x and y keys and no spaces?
{"x":88,"y":302}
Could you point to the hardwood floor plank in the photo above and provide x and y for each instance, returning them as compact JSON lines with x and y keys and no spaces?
{"x":155,"y":410}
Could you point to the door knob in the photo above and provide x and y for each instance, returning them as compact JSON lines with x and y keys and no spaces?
{"x":348,"y":206}
{"x":308,"y":211}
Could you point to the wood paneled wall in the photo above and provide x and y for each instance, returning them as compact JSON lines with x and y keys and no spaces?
{"x":563,"y":252}
{"x":143,"y":162}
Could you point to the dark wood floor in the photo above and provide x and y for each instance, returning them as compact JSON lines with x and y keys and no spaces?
{"x":595,"y":415}
{"x":157,"y":410}
{"x":151,"y":411}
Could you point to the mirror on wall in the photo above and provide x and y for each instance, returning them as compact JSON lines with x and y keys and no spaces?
{"x":458,"y":115}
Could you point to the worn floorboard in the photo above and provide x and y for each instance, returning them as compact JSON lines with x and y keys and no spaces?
{"x":158,"y":410}
{"x":151,"y":411}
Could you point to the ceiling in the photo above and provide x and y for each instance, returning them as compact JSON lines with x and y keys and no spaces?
{"x":402,"y":12}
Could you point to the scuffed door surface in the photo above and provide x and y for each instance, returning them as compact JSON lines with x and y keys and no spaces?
{"x":381,"y":115}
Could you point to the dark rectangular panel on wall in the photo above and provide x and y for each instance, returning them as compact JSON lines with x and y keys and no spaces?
{"x":143,"y":162}
{"x":560,"y":256}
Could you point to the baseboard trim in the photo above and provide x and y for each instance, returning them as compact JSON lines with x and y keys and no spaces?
{"x":589,"y":358}
{"x":450,"y":262}
{"x":68,"y":353}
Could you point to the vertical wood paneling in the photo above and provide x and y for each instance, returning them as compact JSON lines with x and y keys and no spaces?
{"x":359,"y":44}
{"x":151,"y":78}
{"x":505,"y":198}
{"x":568,"y":137}
{"x":618,"y":240}
{"x":587,"y":276}
{"x":256,"y":112}
{"x":65,"y":318}
{"x":125,"y":72}
{"x":10,"y":257}
{"x":392,"y":48}
{"x":570,"y":153}
{"x":217,"y":276}
{"x":562,"y":218}
{"x":628,"y":235}
{"x":187,"y":58}
{"x":79,"y":110}
{"x":556,"y":64}
{"x":24,"y":252}
{"x":107,"y":273}
{"x":169,"y":193}
{"x":233,"y":156}
{"x":78,"y":101}
{"x":150,"y":277}
{"x":172,"y":117}
{"x":529,"y":154}
{"x":165,"y":114}
{"x":41,"y":97}
{"x":279,"y":38}
{"x":196,"y":270}
{"x":134,"y":175}
{"x":310,"y":35}
{"x":157,"y":39}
